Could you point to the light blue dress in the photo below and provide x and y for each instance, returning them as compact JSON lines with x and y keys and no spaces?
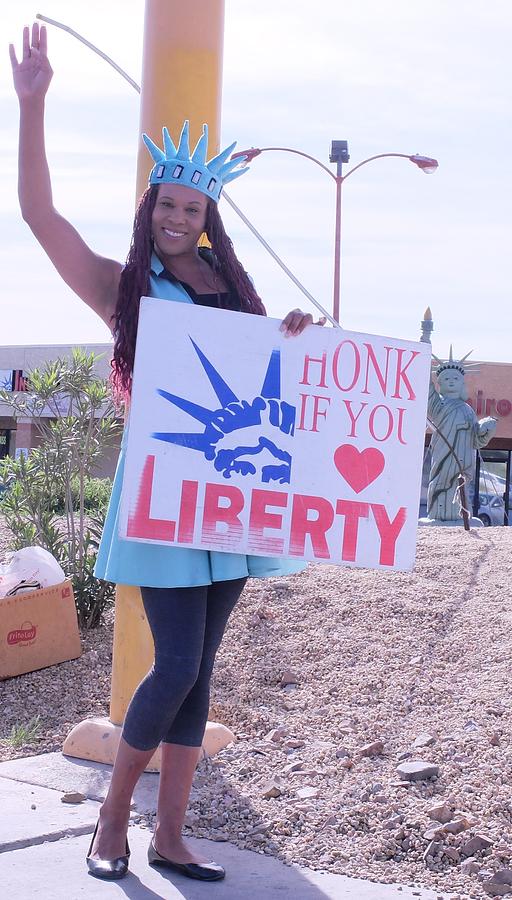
{"x":158,"y":565}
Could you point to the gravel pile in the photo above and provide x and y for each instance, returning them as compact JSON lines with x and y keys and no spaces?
{"x":335,"y":682}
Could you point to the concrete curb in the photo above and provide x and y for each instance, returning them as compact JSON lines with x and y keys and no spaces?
{"x":43,"y":844}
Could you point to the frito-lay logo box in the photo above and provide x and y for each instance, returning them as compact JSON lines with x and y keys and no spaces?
{"x":38,"y":629}
{"x":23,"y":635}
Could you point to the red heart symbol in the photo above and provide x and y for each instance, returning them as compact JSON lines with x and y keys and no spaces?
{"x":358,"y":467}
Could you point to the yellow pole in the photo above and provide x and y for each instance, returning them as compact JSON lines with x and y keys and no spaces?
{"x":181,"y":72}
{"x":181,"y":79}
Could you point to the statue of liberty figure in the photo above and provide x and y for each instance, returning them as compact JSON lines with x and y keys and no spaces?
{"x":458,"y":433}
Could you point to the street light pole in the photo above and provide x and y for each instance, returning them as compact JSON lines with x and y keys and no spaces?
{"x":339,"y":154}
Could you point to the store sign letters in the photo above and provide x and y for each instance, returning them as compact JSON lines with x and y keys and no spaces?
{"x":245,"y":441}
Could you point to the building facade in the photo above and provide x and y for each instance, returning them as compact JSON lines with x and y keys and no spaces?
{"x":19,"y":435}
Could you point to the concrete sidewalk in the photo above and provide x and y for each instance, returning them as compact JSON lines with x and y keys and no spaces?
{"x":43,"y":844}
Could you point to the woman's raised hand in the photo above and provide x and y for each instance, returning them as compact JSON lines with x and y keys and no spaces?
{"x":33,"y":74}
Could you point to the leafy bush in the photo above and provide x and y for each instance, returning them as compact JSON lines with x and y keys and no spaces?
{"x":53,"y":499}
{"x":96,"y":495}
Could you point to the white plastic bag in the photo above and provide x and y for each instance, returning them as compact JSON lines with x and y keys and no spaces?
{"x":29,"y":569}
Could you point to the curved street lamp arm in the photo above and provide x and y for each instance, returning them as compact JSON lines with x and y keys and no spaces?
{"x":91,"y":47}
{"x":371,"y":158}
{"x":300,"y":153}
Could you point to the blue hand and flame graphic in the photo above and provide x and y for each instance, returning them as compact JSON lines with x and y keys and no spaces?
{"x":233,"y":416}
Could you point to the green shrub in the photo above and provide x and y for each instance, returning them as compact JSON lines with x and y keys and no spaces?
{"x":96,"y":495}
{"x":53,"y":499}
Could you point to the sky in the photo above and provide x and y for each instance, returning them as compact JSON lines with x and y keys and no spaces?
{"x":386,"y":75}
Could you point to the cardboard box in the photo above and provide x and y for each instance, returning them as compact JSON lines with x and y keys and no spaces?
{"x":38,"y":629}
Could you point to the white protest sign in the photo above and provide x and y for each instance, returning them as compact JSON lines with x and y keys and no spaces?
{"x":245,"y":441}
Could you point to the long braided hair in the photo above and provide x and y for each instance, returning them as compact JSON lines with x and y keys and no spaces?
{"x":134,"y":283}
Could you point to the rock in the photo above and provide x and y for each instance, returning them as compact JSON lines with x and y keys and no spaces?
{"x":289,"y":677}
{"x":497,"y":890}
{"x":469,"y":866}
{"x":471,"y":725}
{"x":330,"y":821}
{"x":432,"y":833}
{"x":191,"y":819}
{"x":217,"y":821}
{"x":294,"y":744}
{"x":259,"y":829}
{"x":393,"y":822}
{"x":499,"y":884}
{"x":494,"y":711}
{"x":424,"y":740}
{"x":254,"y":620}
{"x":264,"y":612}
{"x":342,"y":753}
{"x":373,"y":749}
{"x":494,"y":739}
{"x":485,"y":874}
{"x":280,"y":586}
{"x":476,"y":843}
{"x":440,"y":813}
{"x":346,"y":764}
{"x":416,"y":661}
{"x":418,"y":770}
{"x":33,"y":806}
{"x":292,"y":767}
{"x":271,"y":789}
{"x":503,"y":876}
{"x":431,"y":850}
{"x":277,"y":734}
{"x":308,"y":793}
{"x":73,"y":797}
{"x":320,"y":711}
{"x":305,"y":807}
{"x":452,"y":853}
{"x":456,"y":826}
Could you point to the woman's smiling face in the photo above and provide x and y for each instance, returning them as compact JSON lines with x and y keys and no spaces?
{"x":178,"y":219}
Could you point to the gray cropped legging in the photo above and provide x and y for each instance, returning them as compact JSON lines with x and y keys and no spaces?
{"x":187,"y":624}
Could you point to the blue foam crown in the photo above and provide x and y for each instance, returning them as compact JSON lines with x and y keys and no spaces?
{"x":175,"y":165}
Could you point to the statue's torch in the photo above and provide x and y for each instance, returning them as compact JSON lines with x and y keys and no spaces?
{"x":427,"y":326}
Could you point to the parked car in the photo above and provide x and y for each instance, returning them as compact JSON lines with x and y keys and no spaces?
{"x":491,"y":482}
{"x":491,"y":509}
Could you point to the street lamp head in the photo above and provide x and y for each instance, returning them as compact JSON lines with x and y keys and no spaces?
{"x":425,"y":163}
{"x":248,"y":154}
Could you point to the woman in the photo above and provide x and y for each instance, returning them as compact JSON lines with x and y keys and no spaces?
{"x":188,"y":594}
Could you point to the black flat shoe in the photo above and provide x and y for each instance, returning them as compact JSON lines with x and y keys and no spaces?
{"x":202,"y":871}
{"x":109,"y":869}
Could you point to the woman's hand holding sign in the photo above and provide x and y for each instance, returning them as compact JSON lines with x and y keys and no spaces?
{"x":296,"y":321}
